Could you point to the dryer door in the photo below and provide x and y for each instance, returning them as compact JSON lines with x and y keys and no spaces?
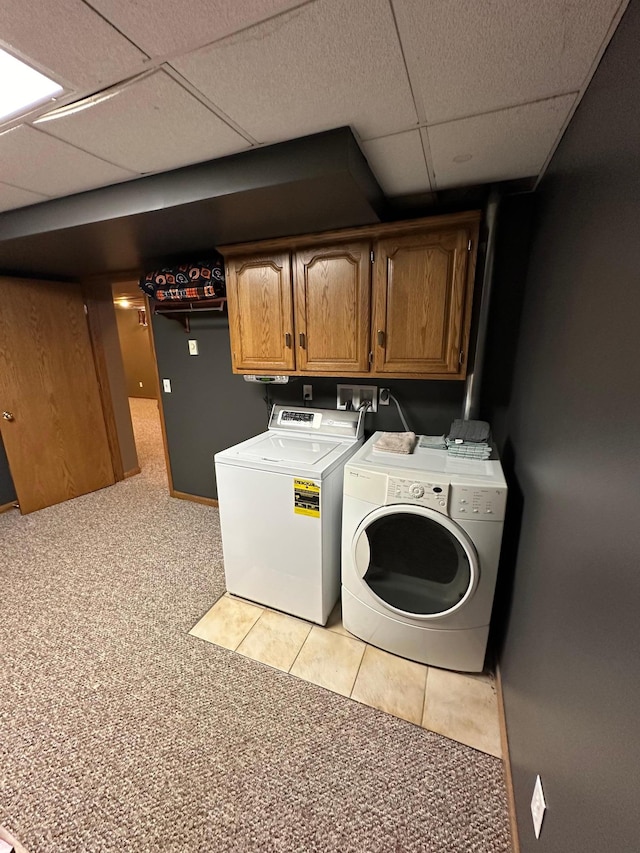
{"x":416,"y":561}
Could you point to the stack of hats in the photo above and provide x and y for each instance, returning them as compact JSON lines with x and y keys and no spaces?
{"x":469,"y":439}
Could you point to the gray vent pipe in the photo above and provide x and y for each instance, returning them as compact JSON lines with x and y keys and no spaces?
{"x":471,"y":403}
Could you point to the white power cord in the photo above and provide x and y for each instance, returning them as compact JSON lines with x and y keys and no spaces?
{"x":400,"y":412}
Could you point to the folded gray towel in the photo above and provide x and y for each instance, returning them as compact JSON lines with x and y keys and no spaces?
{"x":469,"y":451}
{"x":432,"y":442}
{"x":474,"y":431}
{"x":395,"y":442}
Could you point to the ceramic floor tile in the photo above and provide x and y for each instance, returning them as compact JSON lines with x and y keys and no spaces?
{"x":334,"y":623}
{"x":391,"y":684}
{"x":228,"y":622}
{"x":275,"y":639}
{"x":464,"y":708}
{"x":330,"y":660}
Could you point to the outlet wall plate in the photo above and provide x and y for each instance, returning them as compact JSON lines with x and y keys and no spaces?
{"x":356,"y":395}
{"x":538,"y":806}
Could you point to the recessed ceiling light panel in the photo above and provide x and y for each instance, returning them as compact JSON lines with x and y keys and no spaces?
{"x":22,"y":87}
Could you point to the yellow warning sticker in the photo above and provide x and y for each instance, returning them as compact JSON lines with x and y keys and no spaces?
{"x":306,"y":498}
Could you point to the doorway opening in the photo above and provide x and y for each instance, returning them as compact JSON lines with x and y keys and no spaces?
{"x":140,"y":371}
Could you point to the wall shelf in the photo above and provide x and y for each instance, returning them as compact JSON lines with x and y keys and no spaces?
{"x":182,"y":311}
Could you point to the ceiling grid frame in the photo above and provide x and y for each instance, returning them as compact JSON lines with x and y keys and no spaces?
{"x":124,"y":59}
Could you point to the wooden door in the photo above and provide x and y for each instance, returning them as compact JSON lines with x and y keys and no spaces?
{"x":421,"y":310}
{"x":54,"y":431}
{"x":332,"y":306}
{"x":261,"y":314}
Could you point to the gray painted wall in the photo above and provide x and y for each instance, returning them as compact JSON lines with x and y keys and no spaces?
{"x":137,"y":357}
{"x":571,"y":653}
{"x":210,"y":408}
{"x":7,"y":490}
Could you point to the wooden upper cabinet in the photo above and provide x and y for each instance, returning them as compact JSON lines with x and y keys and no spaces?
{"x":261,"y":313}
{"x":332,"y":308}
{"x":315,"y":304}
{"x":420,"y":298}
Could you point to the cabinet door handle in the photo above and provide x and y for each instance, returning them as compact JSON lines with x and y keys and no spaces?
{"x":287,"y":339}
{"x":380,"y":338}
{"x":303,"y":341}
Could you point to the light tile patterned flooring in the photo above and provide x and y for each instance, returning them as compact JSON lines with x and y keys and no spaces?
{"x":460,"y":706}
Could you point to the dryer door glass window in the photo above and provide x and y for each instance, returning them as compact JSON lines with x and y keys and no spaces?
{"x":416,"y":565}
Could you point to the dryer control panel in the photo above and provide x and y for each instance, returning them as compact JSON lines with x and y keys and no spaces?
{"x":418,"y":492}
{"x":478,"y":503}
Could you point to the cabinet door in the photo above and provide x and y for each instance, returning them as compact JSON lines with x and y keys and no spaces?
{"x":420,"y":303}
{"x":261,"y":313}
{"x":332,"y":297}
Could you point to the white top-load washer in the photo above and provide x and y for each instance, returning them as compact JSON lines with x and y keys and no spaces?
{"x":420,"y":550}
{"x":280,"y":500}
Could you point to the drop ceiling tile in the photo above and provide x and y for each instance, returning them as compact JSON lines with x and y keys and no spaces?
{"x":325,"y":65}
{"x":466,"y":58}
{"x":497,"y":146}
{"x":12,"y":197}
{"x":398,"y":163}
{"x":70,"y":40}
{"x":163,"y":27}
{"x":151,"y":125}
{"x":33,"y":161}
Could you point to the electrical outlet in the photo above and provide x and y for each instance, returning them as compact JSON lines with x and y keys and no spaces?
{"x":193,"y":347}
{"x":538,"y":806}
{"x":383,"y":398}
{"x":307,"y":392}
{"x":166,"y":385}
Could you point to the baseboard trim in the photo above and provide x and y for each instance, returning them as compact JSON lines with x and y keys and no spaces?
{"x":508,"y":778}
{"x":183,"y":496}
{"x":132,"y":472}
{"x":7,"y":507}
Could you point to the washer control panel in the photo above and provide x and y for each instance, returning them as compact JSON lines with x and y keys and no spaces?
{"x":419,"y":492}
{"x":478,"y":503}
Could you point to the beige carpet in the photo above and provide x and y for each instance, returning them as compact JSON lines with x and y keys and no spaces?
{"x":119,"y":732}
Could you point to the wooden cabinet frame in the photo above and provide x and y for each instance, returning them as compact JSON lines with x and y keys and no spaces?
{"x":442,"y":295}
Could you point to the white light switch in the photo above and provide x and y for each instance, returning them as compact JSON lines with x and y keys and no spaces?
{"x":538,"y":807}
{"x":166,"y":384}
{"x":193,"y":347}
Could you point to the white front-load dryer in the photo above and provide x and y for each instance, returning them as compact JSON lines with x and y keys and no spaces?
{"x":421,"y":536}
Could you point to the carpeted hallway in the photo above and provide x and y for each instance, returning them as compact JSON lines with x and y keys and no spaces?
{"x":120,"y":732}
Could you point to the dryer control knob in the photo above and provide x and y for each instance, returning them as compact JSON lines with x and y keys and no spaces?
{"x":416,"y":490}
{"x":442,"y":503}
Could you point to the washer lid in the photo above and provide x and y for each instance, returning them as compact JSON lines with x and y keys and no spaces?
{"x":299,"y":456}
{"x":278,"y":448}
